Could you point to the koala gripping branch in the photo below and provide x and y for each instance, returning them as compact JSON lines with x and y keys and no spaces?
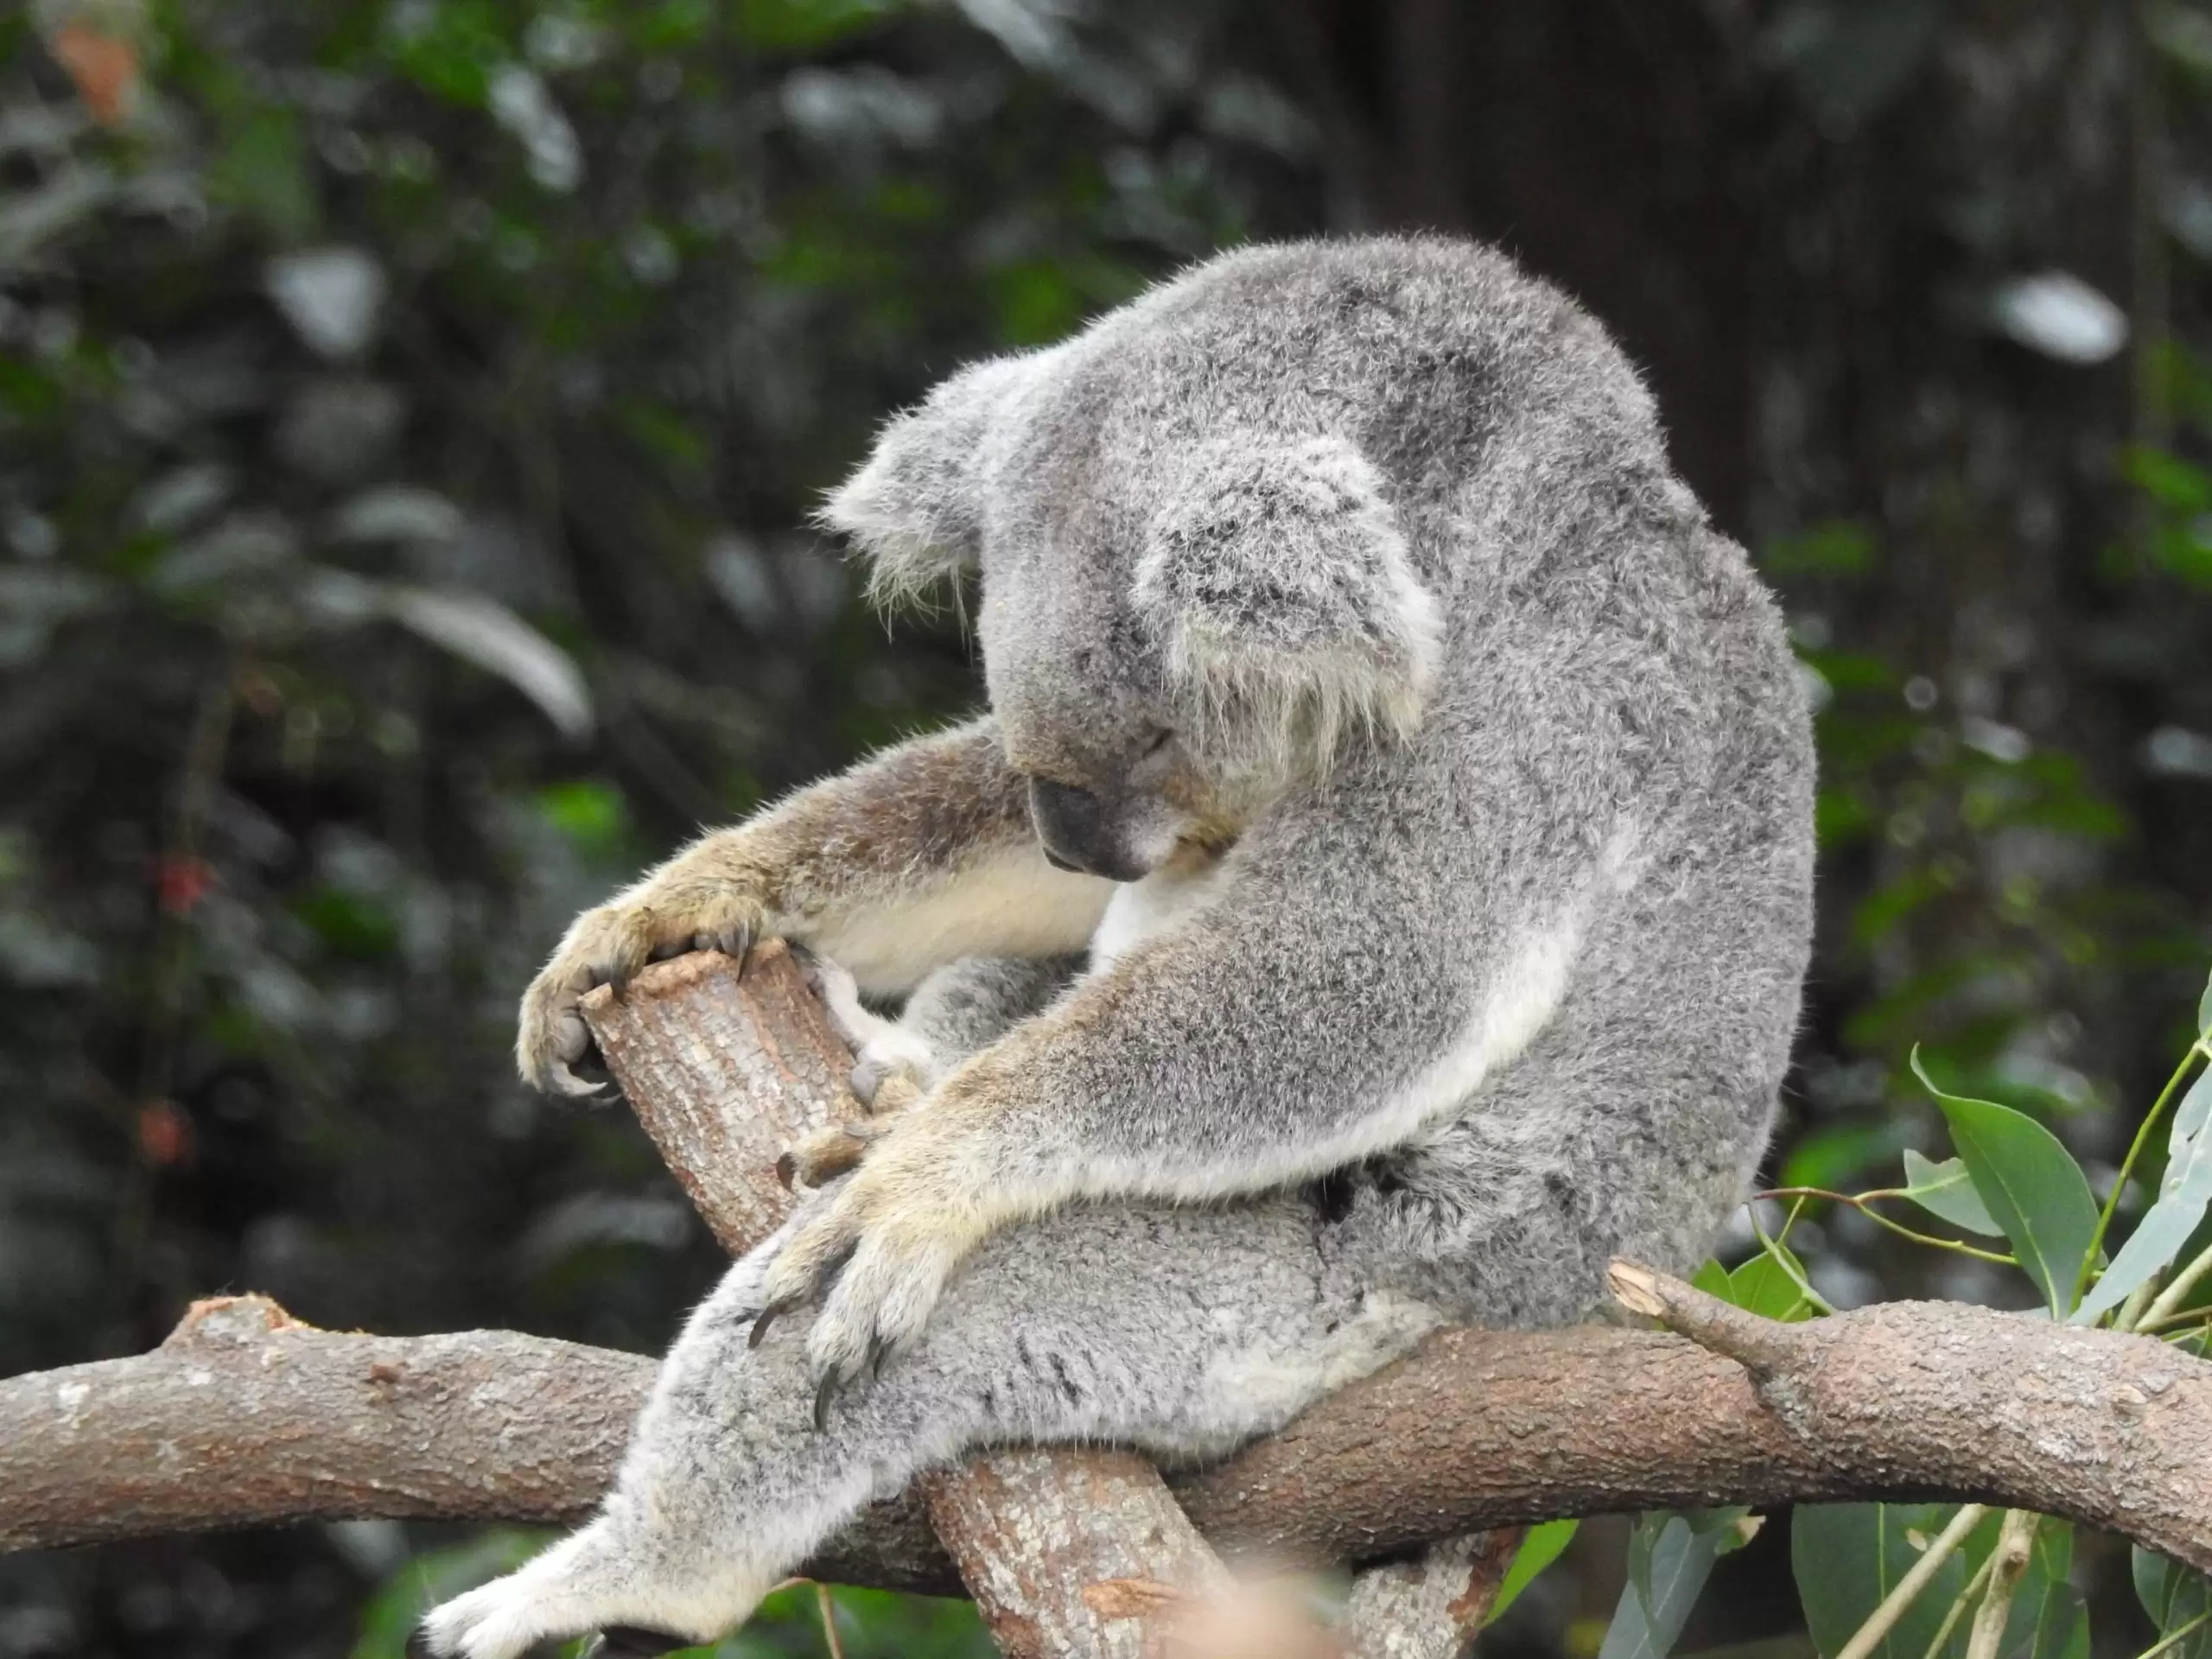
{"x":245,"y":1417}
{"x":725,"y":1072}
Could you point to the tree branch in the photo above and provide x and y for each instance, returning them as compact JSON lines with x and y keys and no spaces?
{"x":245,"y":1417}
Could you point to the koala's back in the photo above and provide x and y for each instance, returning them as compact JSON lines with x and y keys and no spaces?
{"x":1615,"y":692}
{"x":1474,"y":387}
{"x":1526,"y":464}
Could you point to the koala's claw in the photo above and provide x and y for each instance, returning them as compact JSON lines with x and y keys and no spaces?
{"x":875,"y":1257}
{"x":566,"y":1084}
{"x":768,"y":1315}
{"x":820,"y":1158}
{"x":607,"y":946}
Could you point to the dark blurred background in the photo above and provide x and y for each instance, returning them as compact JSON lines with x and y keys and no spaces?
{"x":409,"y":410}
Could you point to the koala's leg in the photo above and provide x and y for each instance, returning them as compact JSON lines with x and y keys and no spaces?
{"x":1179,"y":1329}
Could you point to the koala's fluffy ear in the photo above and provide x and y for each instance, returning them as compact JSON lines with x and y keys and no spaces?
{"x":1277,"y":580}
{"x":915,"y":508}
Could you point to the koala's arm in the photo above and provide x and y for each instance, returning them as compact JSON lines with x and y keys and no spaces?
{"x":1339,"y":995}
{"x":1383,"y":944}
{"x":915,"y":858}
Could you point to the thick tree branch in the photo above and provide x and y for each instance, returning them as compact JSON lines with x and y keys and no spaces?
{"x":245,"y":1417}
{"x":726,"y":1072}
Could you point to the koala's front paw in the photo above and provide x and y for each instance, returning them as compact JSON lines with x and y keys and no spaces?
{"x":877,"y":1255}
{"x":607,"y":946}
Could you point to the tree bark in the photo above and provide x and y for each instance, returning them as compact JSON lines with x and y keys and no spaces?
{"x":246,"y":1417}
{"x":725,"y":1072}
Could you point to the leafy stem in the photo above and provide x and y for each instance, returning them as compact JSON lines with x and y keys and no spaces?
{"x":2180,"y":1633}
{"x":1957,"y":1610}
{"x":1781,"y":1258}
{"x":2127,"y":1166}
{"x":2176,"y":1292}
{"x":1865,"y":1202}
{"x":1883,"y":1618}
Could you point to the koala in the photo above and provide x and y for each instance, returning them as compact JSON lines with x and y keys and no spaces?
{"x":1376,"y":896}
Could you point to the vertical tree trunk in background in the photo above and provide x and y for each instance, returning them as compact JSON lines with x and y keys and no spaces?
{"x":1600,"y":143}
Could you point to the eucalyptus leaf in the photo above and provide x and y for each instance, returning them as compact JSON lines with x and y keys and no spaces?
{"x":1669,"y":1558}
{"x":1765,"y":1286}
{"x":2060,"y":1627}
{"x":2172,"y":1595}
{"x":2184,"y":1194}
{"x":2195,"y":1108}
{"x":2030,"y":1184}
{"x":1544,"y":1546}
{"x":1847,"y":1558}
{"x":1947,"y":1192}
{"x":2204,"y":1010}
{"x":486,"y":633}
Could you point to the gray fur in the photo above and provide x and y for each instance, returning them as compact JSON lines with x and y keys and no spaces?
{"x":1350,"y":584}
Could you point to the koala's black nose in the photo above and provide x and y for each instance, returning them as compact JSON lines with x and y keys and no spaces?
{"x":1078,"y":832}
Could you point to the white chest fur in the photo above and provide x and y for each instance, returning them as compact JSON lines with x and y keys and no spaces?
{"x":1161,"y":903}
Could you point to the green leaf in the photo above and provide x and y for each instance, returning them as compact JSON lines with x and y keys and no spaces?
{"x":2195,"y":1110}
{"x":1538,"y":1550}
{"x":2184,"y":1194}
{"x":1669,"y":1558}
{"x":1946,"y":1191}
{"x":2059,"y":1627}
{"x":1765,"y":1286}
{"x":1847,"y":1557}
{"x":1713,"y":1279}
{"x":2204,"y":1010}
{"x":808,"y":25}
{"x":2031,"y":1185}
{"x":2169,"y":480}
{"x":2173,"y":1595}
{"x":589,"y":811}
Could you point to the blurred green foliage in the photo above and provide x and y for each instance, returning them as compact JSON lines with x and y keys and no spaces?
{"x":409,"y":410}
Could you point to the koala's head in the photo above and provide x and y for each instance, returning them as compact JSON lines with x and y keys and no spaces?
{"x":1176,"y":628}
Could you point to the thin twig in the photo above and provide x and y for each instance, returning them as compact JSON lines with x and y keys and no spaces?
{"x":1883,"y":1618}
{"x":829,"y":1620}
{"x":2008,"y":1562}
{"x":2128,"y":1167}
{"x":1957,"y":1610}
{"x":2179,"y":1633}
{"x":2176,"y":1292}
{"x":1863,"y":1203}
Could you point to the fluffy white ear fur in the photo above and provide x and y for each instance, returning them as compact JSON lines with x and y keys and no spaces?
{"x":1278,"y":582}
{"x":914,"y":510}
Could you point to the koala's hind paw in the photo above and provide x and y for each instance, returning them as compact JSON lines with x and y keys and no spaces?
{"x":607,"y":946}
{"x":892,"y":1066}
{"x":588,"y":1582}
{"x":876,"y":1255}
